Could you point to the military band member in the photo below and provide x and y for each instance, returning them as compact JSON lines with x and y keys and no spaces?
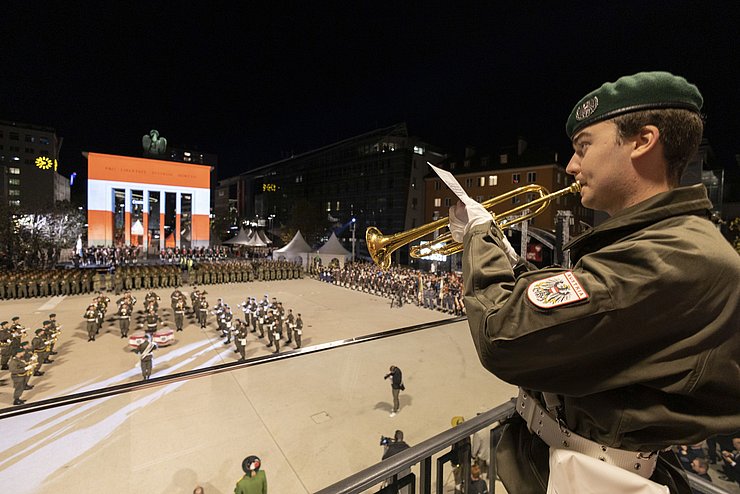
{"x":179,"y":310}
{"x":227,"y":320}
{"x":91,"y":316}
{"x":20,"y":371}
{"x":174,"y":297}
{"x":152,"y":320}
{"x":298,"y":330}
{"x":146,"y":358}
{"x":5,"y":340}
{"x":54,"y":331}
{"x":275,"y":329}
{"x":195,"y":300}
{"x":124,"y":319}
{"x":38,"y":347}
{"x":202,"y":310}
{"x":240,"y":338}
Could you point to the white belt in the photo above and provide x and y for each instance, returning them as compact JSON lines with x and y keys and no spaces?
{"x":557,"y":436}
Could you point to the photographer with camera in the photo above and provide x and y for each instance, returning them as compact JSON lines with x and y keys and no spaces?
{"x":393,"y":446}
{"x":396,"y":387}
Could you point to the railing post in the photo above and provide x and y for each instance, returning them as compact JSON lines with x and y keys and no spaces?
{"x":425,"y":476}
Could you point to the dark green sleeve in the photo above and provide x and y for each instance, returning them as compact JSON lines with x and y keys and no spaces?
{"x":625,"y":331}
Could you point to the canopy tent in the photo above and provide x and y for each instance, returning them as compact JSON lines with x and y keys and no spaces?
{"x":263,"y":237}
{"x":296,"y":250}
{"x":331,"y":250}
{"x":255,"y":240}
{"x":241,"y":239}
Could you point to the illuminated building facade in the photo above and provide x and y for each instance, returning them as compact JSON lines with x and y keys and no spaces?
{"x":28,"y":167}
{"x":148,"y":203}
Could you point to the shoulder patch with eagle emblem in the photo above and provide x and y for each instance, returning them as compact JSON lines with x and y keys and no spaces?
{"x":555,"y":291}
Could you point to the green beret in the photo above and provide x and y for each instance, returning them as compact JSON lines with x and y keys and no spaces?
{"x":642,"y":91}
{"x":39,"y":330}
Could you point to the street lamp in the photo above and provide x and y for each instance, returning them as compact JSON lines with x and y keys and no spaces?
{"x":354,"y":227}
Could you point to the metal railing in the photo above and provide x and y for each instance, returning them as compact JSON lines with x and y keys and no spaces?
{"x":387,"y":471}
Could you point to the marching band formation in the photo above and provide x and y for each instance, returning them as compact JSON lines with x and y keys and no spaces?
{"x":23,"y":358}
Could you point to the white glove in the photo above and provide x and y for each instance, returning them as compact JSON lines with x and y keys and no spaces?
{"x":464,"y":216}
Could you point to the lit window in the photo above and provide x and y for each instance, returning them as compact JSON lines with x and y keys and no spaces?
{"x":14,"y":202}
{"x":515,"y":178}
{"x":186,"y":153}
{"x":435,"y":216}
{"x":14,"y":192}
{"x":531,"y":177}
{"x":437,"y":202}
{"x":481,"y":181}
{"x":14,"y":171}
{"x":418,"y":150}
{"x":328,"y":206}
{"x":14,"y":181}
{"x":493,"y":180}
{"x":337,"y":206}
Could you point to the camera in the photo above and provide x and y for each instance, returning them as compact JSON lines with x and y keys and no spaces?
{"x":384,"y":441}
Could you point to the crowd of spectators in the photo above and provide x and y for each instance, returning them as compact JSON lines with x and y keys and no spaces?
{"x":719,"y":455}
{"x":435,"y":291}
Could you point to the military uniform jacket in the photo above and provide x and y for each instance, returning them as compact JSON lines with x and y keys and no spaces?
{"x":640,"y":346}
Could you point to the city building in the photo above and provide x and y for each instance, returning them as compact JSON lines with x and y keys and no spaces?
{"x":492,"y":175}
{"x":376,"y":178}
{"x":147,"y":202}
{"x":29,"y":167}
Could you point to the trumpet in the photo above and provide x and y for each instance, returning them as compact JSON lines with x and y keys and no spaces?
{"x":382,"y":246}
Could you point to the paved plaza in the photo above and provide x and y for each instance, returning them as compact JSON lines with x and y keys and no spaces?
{"x":313,"y":419}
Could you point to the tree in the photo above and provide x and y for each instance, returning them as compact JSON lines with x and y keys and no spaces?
{"x":30,"y":236}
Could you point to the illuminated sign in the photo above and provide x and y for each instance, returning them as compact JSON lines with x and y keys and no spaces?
{"x":269,"y":188}
{"x":46,"y":163}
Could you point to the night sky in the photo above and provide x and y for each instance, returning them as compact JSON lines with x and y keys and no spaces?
{"x":254,"y":85}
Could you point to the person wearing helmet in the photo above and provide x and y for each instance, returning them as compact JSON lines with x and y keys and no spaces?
{"x":254,"y":480}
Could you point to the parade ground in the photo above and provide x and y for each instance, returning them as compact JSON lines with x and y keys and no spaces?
{"x":313,"y":419}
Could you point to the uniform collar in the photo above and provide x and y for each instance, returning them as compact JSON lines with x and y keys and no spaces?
{"x":690,"y":200}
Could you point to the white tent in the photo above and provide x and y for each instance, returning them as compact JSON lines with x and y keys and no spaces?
{"x":296,"y":250}
{"x":331,"y":250}
{"x":263,"y":237}
{"x":241,"y":239}
{"x":255,"y":240}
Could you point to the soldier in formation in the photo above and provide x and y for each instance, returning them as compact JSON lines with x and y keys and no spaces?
{"x":146,"y":357}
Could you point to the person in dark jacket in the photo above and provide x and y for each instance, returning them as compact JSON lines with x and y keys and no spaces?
{"x":396,"y":387}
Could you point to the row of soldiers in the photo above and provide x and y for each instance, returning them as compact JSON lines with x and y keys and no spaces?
{"x":436,"y":291}
{"x":23,"y":358}
{"x":29,"y":283}
{"x":265,"y":318}
{"x":240,"y":270}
